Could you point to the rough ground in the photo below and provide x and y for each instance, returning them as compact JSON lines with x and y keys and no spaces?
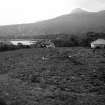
{"x":28,"y":79}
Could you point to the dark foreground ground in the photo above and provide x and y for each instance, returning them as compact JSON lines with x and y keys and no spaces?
{"x":27,"y":79}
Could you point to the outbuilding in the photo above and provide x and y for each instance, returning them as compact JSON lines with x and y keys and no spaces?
{"x":99,"y":43}
{"x":45,"y":44}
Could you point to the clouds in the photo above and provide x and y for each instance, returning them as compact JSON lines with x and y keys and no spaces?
{"x":91,"y":5}
{"x":20,"y":11}
{"x":100,"y":1}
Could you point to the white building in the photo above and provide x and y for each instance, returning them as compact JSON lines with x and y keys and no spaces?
{"x":23,"y":42}
{"x":98,"y":43}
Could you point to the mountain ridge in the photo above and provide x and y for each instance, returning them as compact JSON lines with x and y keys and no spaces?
{"x":77,"y":22}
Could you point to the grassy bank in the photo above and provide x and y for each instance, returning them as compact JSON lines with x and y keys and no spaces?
{"x":28,"y":79}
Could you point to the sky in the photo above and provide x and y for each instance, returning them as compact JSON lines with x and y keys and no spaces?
{"x":29,"y":11}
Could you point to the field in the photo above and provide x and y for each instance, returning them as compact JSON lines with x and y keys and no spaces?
{"x":42,"y":76}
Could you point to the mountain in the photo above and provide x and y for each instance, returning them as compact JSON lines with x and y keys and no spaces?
{"x":77,"y":22}
{"x":78,"y":11}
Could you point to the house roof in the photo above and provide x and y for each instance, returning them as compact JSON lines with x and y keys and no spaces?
{"x":99,"y":41}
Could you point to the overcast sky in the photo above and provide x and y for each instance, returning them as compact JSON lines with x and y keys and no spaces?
{"x":28,"y":11}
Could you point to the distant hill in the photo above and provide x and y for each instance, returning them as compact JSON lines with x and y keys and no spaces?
{"x":77,"y":22}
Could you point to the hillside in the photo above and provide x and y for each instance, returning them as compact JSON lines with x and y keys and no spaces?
{"x":27,"y":79}
{"x":77,"y":22}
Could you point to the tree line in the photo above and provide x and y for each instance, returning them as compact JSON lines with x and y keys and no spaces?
{"x":61,"y":40}
{"x":74,"y":40}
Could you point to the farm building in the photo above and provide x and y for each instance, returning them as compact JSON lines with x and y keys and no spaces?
{"x":45,"y":43}
{"x":23,"y":42}
{"x":99,"y":43}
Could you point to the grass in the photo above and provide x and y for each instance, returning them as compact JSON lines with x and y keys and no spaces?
{"x":27,"y":79}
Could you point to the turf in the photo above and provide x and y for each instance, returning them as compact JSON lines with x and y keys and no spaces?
{"x":28,"y":79}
